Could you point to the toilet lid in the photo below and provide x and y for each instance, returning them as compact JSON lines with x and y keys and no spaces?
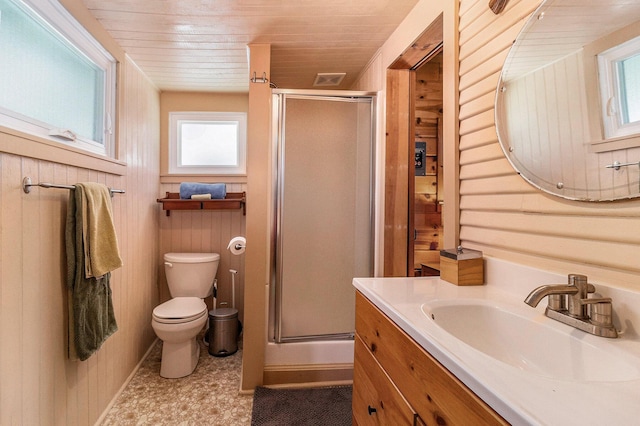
{"x":191,"y":257}
{"x":180,"y":309}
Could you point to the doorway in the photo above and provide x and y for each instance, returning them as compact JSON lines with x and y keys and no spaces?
{"x":428,"y":170}
{"x":414,"y":188}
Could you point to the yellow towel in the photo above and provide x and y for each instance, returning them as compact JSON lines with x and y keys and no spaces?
{"x":99,"y":234}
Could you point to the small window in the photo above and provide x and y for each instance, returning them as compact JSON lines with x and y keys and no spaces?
{"x":620,"y":89}
{"x":207,"y":143}
{"x":56,"y":81}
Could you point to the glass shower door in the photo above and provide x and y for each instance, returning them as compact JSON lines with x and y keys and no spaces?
{"x":323,"y":214}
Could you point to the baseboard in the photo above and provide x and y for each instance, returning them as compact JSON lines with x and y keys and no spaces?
{"x":124,"y":385}
{"x":307,"y":375}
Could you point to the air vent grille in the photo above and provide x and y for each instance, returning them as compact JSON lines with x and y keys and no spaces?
{"x":329,"y":79}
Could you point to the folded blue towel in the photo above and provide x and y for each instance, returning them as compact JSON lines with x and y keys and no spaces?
{"x":217,"y":190}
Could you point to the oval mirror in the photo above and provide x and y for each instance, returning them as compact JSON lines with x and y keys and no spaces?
{"x":568,"y":100}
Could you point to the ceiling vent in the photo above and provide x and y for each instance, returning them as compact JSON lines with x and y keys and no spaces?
{"x":329,"y":78}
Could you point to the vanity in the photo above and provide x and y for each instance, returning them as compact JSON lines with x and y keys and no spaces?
{"x":429,"y":352}
{"x":397,"y":382}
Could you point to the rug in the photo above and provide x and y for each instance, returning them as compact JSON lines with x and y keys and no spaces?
{"x":302,"y":407}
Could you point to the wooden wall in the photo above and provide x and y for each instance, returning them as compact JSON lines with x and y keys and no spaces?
{"x":258,"y":223}
{"x":209,"y":231}
{"x":499,"y":212}
{"x":39,"y":385}
{"x":428,"y":189}
{"x":202,"y":230}
{"x":373,"y":78}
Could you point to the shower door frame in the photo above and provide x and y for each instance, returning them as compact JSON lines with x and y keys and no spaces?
{"x":279,"y":97}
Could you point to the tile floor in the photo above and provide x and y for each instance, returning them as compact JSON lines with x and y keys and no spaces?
{"x":209,"y":396}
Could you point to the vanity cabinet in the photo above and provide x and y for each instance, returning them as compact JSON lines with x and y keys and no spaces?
{"x":397,"y":382}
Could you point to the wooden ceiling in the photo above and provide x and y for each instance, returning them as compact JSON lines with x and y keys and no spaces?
{"x":201,"y":45}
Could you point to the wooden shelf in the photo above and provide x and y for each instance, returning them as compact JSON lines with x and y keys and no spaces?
{"x":232,"y":201}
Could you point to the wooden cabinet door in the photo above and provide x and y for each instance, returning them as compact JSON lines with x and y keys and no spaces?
{"x":376,"y":400}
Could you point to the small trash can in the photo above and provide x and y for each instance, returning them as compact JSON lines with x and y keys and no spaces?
{"x":223,"y":331}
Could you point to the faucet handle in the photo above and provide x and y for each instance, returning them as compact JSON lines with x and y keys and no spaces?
{"x":594,"y":300}
{"x":581,"y":282}
{"x":601,"y":312}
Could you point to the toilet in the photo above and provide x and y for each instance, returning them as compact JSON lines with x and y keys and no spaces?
{"x":178,"y":321}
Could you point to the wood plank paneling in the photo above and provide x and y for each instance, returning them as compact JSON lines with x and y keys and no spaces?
{"x":483,"y":137}
{"x":211,"y":55}
{"x":559,"y":226}
{"x":482,"y":87}
{"x":511,"y":183}
{"x":502,"y":214}
{"x":11,"y":320}
{"x":585,"y":250}
{"x":481,"y":154}
{"x":397,"y":184}
{"x":427,"y":43}
{"x":428,"y":230}
{"x":40,"y":385}
{"x":205,"y":231}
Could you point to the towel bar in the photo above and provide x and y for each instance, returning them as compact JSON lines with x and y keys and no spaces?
{"x":26,"y":186}
{"x":616,"y":165}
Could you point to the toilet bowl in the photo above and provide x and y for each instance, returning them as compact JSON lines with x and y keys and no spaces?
{"x":178,"y":321}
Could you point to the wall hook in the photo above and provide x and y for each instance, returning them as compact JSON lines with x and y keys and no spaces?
{"x":497,"y":6}
{"x":262,"y":79}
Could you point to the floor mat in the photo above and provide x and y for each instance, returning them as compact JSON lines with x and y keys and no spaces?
{"x":304,"y":407}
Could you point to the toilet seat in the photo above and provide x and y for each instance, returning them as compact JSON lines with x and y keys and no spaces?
{"x":180,"y":310}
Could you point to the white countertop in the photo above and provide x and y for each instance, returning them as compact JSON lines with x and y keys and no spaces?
{"x":521,"y":397}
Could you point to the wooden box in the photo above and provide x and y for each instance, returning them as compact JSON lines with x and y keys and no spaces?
{"x":462,"y":266}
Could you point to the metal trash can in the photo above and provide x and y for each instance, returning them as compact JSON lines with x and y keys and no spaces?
{"x":223,"y":331}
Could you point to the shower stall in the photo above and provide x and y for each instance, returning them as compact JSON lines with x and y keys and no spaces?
{"x":323,"y":212}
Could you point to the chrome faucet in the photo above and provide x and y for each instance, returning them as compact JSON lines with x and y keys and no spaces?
{"x":570,"y":304}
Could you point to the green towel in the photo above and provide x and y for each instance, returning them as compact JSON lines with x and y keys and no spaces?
{"x":91,"y":316}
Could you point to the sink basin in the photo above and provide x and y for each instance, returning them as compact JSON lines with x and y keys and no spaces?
{"x":528,"y":342}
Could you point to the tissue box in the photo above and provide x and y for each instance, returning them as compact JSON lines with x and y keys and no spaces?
{"x":462,"y":266}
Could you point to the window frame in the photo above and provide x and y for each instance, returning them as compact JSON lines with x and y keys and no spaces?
{"x":176,"y":117}
{"x":60,"y":21}
{"x":609,"y":87}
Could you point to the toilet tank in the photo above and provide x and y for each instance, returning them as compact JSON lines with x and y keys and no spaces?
{"x":191,"y":274}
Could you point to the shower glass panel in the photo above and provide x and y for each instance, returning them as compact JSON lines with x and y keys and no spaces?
{"x":323,"y":212}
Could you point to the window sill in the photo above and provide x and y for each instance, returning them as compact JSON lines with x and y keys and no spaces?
{"x":615,"y":144}
{"x":25,"y":145}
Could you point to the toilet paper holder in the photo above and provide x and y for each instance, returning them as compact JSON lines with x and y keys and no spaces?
{"x":237,"y":245}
